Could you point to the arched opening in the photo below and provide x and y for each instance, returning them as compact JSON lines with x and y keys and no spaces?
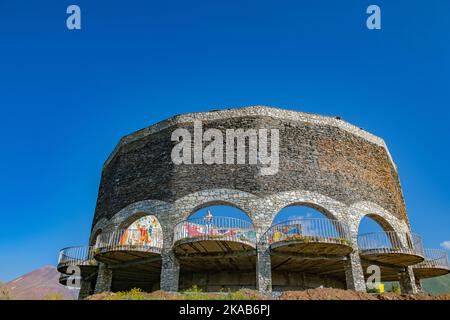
{"x":216,"y":249}
{"x":376,"y":233}
{"x":391,"y":250}
{"x":133,"y":252}
{"x":308,"y":248}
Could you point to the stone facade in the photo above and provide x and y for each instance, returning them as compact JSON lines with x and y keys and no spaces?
{"x":104,"y":279}
{"x":325,"y":163}
{"x":320,"y":154}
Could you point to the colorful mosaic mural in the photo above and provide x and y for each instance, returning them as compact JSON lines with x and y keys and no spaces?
{"x":194,"y":230}
{"x":145,"y":231}
{"x":286,"y":233}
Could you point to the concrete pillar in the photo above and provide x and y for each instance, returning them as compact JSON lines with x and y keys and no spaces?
{"x":85,"y":289}
{"x":263,"y":269}
{"x":170,"y":271}
{"x":407,"y":281}
{"x":354,"y":276}
{"x":104,"y":278}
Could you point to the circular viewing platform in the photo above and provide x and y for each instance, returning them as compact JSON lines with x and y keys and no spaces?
{"x":391,"y":248}
{"x":81,"y":256}
{"x":214,"y":235}
{"x":309,"y":236}
{"x":435,"y":264}
{"x":128,"y":245}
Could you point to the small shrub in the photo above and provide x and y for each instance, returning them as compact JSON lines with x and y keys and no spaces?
{"x":133,"y":294}
{"x":396,"y":288}
{"x":54,"y":296}
{"x":193,"y":293}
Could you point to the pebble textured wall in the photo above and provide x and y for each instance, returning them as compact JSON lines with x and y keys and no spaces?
{"x":325,"y":163}
{"x":320,"y":154}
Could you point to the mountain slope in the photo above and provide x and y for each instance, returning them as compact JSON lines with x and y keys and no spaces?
{"x":38,"y":284}
{"x":437,"y":285}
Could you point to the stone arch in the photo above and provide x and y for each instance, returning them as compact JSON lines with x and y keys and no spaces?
{"x":160,"y":209}
{"x":240,"y":200}
{"x":384,"y":218}
{"x":331,"y":208}
{"x":93,"y":239}
{"x":397,"y":229}
{"x":101,"y":226}
{"x":381,"y":221}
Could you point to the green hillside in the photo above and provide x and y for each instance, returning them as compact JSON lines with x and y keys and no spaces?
{"x":437,"y":285}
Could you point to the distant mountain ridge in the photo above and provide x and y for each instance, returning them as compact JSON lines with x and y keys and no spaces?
{"x":38,"y":285}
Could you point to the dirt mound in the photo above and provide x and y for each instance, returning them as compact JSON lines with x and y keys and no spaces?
{"x":311,"y":294}
{"x":326,"y":294}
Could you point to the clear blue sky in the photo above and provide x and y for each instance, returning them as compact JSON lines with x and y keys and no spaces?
{"x":67,"y":97}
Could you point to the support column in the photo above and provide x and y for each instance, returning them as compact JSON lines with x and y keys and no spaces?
{"x":170,"y":271}
{"x":263,"y":269}
{"x":104,"y":278}
{"x":354,"y":276}
{"x":407,"y":281}
{"x":85,"y":289}
{"x":263,"y":263}
{"x":419,"y":286}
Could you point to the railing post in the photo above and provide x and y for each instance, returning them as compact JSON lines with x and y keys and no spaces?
{"x":407,"y":281}
{"x":104,"y":279}
{"x":170,"y":267}
{"x":263,"y":263}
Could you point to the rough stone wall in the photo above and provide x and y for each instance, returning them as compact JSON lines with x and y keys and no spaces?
{"x":317,"y":156}
{"x":281,"y":281}
{"x":325,"y":163}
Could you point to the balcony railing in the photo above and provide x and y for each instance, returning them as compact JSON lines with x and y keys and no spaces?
{"x":434,"y":258}
{"x":390,"y":242}
{"x":146,"y":240}
{"x":216,"y":228}
{"x":79,"y":256}
{"x":308,"y":230}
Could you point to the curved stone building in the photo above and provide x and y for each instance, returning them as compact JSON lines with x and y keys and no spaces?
{"x":143,"y":234}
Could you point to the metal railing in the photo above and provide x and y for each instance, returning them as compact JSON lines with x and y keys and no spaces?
{"x":308,"y":230}
{"x":390,"y":242}
{"x":147,"y":240}
{"x":80,"y":256}
{"x":215,"y":228}
{"x":434,"y":258}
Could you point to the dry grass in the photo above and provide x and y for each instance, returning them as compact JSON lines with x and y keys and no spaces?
{"x":246,"y":294}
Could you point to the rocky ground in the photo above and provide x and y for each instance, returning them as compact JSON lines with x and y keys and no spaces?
{"x":312,"y":294}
